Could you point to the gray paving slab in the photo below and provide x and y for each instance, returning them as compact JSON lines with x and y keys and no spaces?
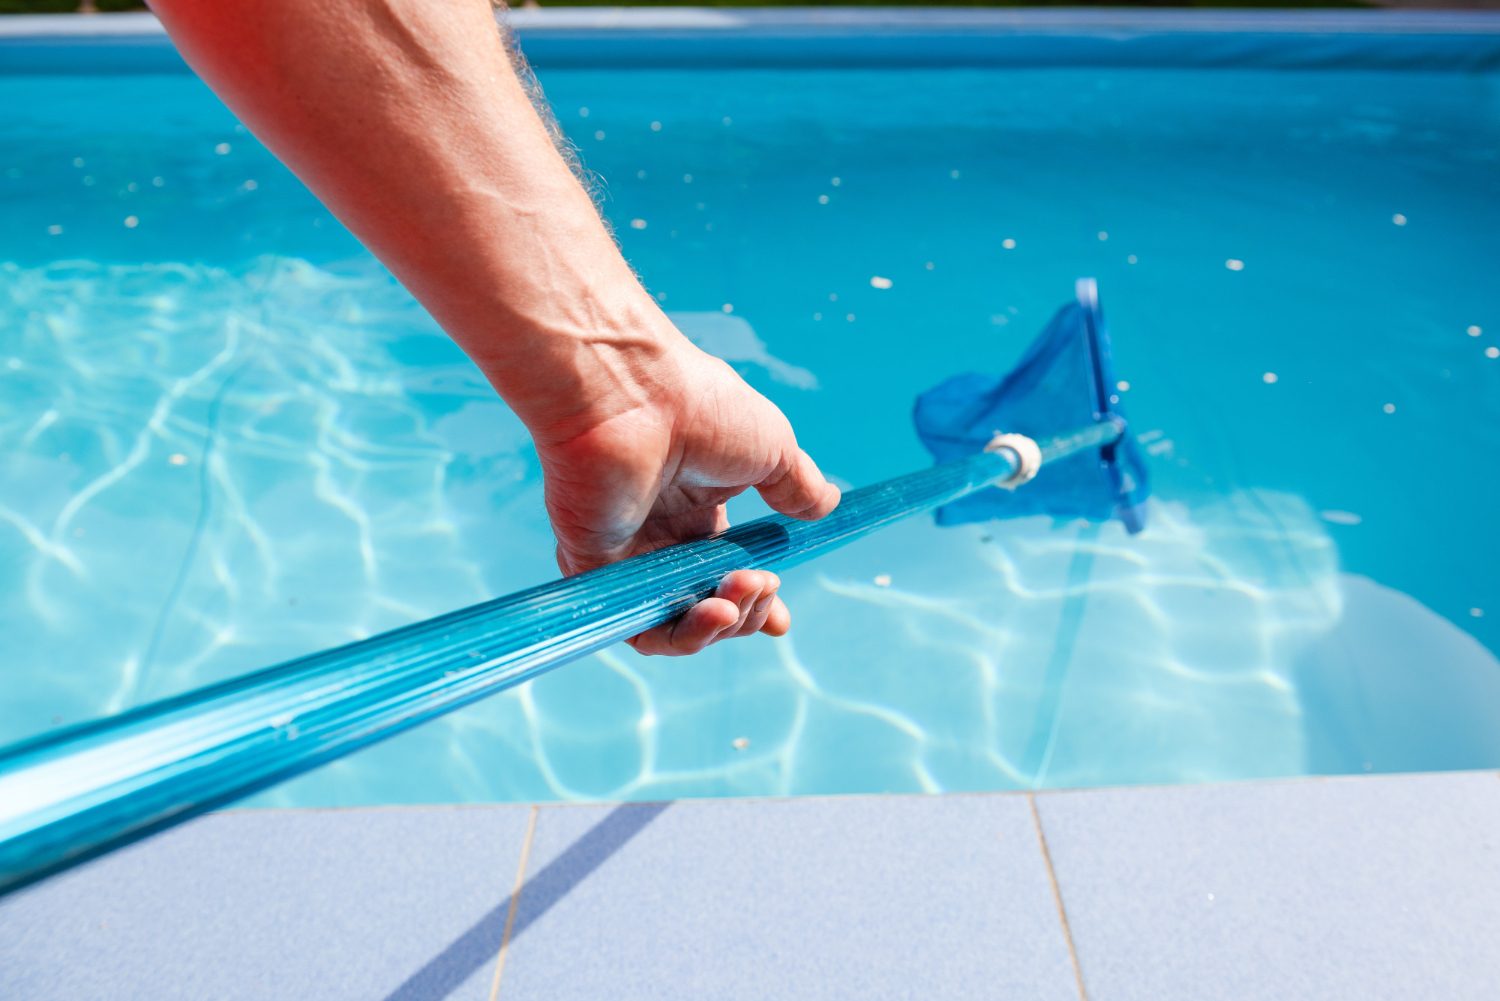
{"x":867,"y":898}
{"x":1372,"y":888}
{"x":398,"y":903}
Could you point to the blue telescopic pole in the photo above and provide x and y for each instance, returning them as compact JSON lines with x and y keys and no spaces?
{"x":75,"y":794}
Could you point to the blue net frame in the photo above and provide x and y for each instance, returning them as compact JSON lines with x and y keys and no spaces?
{"x":1064,"y":382}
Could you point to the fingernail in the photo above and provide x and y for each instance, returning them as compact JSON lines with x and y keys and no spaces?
{"x":764,"y":602}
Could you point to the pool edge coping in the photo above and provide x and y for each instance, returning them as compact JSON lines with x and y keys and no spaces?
{"x":955,"y":20}
{"x":1087,"y":877}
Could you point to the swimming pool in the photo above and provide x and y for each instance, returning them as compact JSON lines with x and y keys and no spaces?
{"x":227,"y":438}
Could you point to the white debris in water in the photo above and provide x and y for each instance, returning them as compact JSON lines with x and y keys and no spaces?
{"x":1336,"y":517}
{"x":1475,"y":330}
{"x":822,"y":199}
{"x":1130,"y":259}
{"x":835,"y":181}
{"x":1164,"y":446}
{"x":222,"y":149}
{"x":882,"y":580}
{"x":876,"y":281}
{"x":78,"y":161}
{"x":1477,"y":613}
{"x":54,"y":230}
{"x":250,"y":185}
{"x":1492,"y":352}
{"x":131,"y":222}
{"x":728,"y":307}
{"x":1399,"y":219}
{"x":1269,"y":378}
{"x":728,"y":120}
{"x":929,"y":265}
{"x":1103,"y":235}
{"x":687,"y":178}
{"x":157,"y":182}
{"x":1235,"y":264}
{"x":849,"y":317}
{"x":637,"y":224}
{"x":740,"y":743}
{"x":640,"y":175}
{"x":656,"y":126}
{"x":817,"y":316}
{"x":599,"y":135}
{"x":1389,"y":408}
{"x":177,"y":459}
{"x":1008,"y":243}
{"x":583,"y":112}
{"x":1123,"y":386}
{"x":953,"y":174}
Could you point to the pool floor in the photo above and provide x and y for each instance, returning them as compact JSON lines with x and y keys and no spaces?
{"x":227,"y":438}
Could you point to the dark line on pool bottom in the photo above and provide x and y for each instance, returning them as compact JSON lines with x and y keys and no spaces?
{"x":200,"y":524}
{"x":441,"y":974}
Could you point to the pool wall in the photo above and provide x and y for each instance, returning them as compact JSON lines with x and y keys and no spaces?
{"x":876,"y":37}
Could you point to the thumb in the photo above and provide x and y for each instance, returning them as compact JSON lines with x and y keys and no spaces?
{"x":798,"y":489}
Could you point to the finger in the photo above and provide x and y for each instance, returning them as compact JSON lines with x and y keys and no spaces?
{"x":778,"y":619}
{"x":751,"y":595}
{"x":745,"y":589}
{"x":757,"y":606}
{"x":798,"y":489}
{"x":697,"y":628}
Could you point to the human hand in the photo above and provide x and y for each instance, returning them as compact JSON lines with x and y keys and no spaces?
{"x":677,"y":434}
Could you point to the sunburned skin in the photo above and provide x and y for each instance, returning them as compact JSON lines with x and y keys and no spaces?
{"x":409,"y":120}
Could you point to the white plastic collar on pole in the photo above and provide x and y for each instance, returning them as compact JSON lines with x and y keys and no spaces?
{"x":1028,"y":456}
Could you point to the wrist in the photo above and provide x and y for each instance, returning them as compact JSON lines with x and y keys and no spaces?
{"x":568,"y":369}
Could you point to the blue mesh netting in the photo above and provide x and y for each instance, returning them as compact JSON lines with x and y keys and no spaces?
{"x":1063,"y":383}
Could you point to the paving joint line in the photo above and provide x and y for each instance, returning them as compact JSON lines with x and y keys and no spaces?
{"x":1062,"y":911}
{"x":515,"y":900}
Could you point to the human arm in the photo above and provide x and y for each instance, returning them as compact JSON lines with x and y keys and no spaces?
{"x":408,"y":120}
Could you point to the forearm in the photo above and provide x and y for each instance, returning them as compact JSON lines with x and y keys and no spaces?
{"x":406,"y":118}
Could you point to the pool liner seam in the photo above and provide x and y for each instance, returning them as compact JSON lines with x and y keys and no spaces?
{"x":515,"y":900}
{"x":1057,"y":899}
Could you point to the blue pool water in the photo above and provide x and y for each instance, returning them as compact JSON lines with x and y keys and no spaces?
{"x":227,"y":437}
